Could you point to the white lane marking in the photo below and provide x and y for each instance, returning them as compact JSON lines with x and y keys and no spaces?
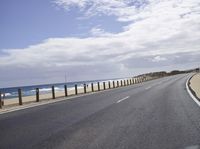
{"x":190,"y":93}
{"x":37,"y":104}
{"x":193,"y":147}
{"x":123,"y":99}
{"x":153,"y":85}
{"x":159,"y":83}
{"x":148,"y":87}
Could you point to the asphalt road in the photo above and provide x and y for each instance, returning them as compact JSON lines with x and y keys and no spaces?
{"x":157,"y":114}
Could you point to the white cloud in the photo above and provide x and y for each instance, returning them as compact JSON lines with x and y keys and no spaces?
{"x":123,"y":9}
{"x":158,"y":59}
{"x":157,"y":28}
{"x":99,"y":32}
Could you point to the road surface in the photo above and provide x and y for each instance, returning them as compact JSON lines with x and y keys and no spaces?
{"x":157,"y":114}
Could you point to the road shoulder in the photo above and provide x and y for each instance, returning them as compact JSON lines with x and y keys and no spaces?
{"x":193,"y":87}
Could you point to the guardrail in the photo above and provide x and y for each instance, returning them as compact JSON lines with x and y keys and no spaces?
{"x":99,"y":87}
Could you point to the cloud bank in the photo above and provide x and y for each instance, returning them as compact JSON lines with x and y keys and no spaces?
{"x":160,"y":34}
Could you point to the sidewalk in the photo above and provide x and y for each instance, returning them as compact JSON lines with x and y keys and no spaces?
{"x":195,"y":85}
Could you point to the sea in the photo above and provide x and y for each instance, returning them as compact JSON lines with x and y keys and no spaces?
{"x":12,"y":92}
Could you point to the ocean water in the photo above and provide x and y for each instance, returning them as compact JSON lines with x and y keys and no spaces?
{"x":12,"y":92}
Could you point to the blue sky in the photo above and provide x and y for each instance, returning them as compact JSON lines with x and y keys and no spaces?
{"x":41,"y":40}
{"x":28,"y":22}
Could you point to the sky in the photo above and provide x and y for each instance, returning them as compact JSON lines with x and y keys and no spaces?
{"x":42,"y":40}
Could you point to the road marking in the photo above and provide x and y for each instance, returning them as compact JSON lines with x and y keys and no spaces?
{"x":37,"y":104}
{"x":153,"y":85}
{"x":190,"y":93}
{"x":123,"y":99}
{"x":159,"y":83}
{"x":193,"y":147}
{"x":148,"y":87}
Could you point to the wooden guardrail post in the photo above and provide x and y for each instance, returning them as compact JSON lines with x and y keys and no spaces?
{"x":98,"y":86}
{"x":20,"y":96}
{"x":127,"y":82}
{"x":37,"y":94}
{"x":76,"y":91}
{"x":117,"y":83}
{"x":85,"y":91}
{"x":124,"y":82}
{"x":121,"y":84}
{"x":104,"y":85}
{"x":113,"y":84}
{"x":109,"y":84}
{"x":92,"y":87}
{"x":0,"y":101}
{"x":53,"y":92}
{"x":66,"y":94}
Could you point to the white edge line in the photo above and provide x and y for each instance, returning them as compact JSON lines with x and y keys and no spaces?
{"x":41,"y":103}
{"x":12,"y":109}
{"x":123,"y":99}
{"x":59,"y":99}
{"x":36,"y":104}
{"x":148,"y":87}
{"x":190,"y":93}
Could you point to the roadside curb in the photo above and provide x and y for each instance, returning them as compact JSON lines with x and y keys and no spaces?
{"x":191,"y":92}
